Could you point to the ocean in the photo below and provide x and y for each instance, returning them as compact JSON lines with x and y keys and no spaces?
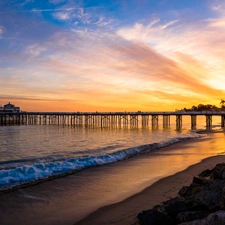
{"x":30,"y":153}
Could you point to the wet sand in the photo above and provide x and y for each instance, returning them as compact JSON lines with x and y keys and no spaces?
{"x":115,"y":193}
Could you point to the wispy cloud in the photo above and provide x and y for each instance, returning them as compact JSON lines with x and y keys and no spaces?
{"x":200,"y":41}
{"x":152,"y":33}
{"x":152,"y":66}
{"x":46,"y":10}
{"x":83,"y":17}
{"x":133,"y":63}
{"x":218,"y":6}
{"x":62,"y":16}
{"x":164,"y":26}
{"x":35,"y":50}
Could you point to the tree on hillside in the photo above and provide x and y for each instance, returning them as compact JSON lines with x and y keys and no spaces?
{"x":222,"y":103}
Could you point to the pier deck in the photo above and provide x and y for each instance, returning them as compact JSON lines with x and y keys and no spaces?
{"x":102,"y":119}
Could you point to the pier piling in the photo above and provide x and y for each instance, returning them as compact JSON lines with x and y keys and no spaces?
{"x":107,"y":119}
{"x":222,"y":120}
{"x":193,"y":122}
{"x":208,"y":121}
{"x":178,"y":122}
{"x":155,"y":121}
{"x":166,"y":121}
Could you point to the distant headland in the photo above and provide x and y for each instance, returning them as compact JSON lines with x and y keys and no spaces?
{"x":207,"y":107}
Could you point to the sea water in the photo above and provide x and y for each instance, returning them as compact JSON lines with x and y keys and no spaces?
{"x":36,"y":152}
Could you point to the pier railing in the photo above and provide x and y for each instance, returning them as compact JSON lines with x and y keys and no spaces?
{"x":102,"y":119}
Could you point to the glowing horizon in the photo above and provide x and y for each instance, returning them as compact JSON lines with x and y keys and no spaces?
{"x":65,"y":55}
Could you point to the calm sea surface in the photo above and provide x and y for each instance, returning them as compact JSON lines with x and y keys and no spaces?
{"x":34,"y":152}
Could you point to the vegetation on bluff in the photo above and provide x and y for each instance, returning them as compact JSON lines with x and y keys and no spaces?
{"x":207,"y":107}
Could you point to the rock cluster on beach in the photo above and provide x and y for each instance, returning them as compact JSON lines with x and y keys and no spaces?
{"x":203,"y":202}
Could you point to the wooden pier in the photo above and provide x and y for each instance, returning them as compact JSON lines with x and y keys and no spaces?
{"x":107,"y":119}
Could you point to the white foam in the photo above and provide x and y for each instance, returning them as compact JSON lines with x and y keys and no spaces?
{"x":27,"y":173}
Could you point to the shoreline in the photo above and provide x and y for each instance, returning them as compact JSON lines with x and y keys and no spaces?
{"x":114,"y":193}
{"x":64,"y":167}
{"x":125,"y":212}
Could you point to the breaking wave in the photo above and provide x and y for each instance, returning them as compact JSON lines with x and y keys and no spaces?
{"x":16,"y":174}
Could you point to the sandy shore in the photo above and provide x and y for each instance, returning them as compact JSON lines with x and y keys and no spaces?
{"x":108,"y":194}
{"x":125,"y":212}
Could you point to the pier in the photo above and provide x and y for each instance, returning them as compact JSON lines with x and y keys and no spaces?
{"x":108,"y":119}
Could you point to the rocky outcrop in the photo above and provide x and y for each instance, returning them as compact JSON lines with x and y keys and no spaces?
{"x":217,"y":218}
{"x":202,"y":202}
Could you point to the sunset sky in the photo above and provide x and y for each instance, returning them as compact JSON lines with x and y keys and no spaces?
{"x":112,"y":55}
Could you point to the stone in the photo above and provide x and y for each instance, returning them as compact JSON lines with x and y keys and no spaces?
{"x":184,"y":191}
{"x":218,"y":171}
{"x":191,"y":215}
{"x":200,"y":203}
{"x":175,"y":206}
{"x":206,"y":173}
{"x":222,"y":204}
{"x":199,"y":181}
{"x":217,"y":218}
{"x":210,"y":196}
{"x":160,"y":208}
{"x":154,"y":217}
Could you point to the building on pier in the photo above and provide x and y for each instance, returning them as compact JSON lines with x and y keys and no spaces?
{"x":9,"y":108}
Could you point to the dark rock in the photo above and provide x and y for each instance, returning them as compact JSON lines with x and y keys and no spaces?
{"x":196,"y":186}
{"x":160,"y":208}
{"x":199,"y":180}
{"x":184,"y":191}
{"x":205,"y":173}
{"x":154,"y":217}
{"x":217,"y":218}
{"x":191,"y":215}
{"x":195,"y":189}
{"x":206,"y":194}
{"x":222,"y":204}
{"x":195,"y":205}
{"x":210,"y":196}
{"x":175,"y":206}
{"x":218,"y":172}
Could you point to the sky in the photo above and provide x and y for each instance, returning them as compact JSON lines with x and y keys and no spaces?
{"x":111,"y":55}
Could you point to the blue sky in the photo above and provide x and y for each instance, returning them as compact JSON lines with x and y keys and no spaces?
{"x":68,"y":55}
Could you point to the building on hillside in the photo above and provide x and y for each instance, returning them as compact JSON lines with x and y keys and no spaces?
{"x":9,"y":108}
